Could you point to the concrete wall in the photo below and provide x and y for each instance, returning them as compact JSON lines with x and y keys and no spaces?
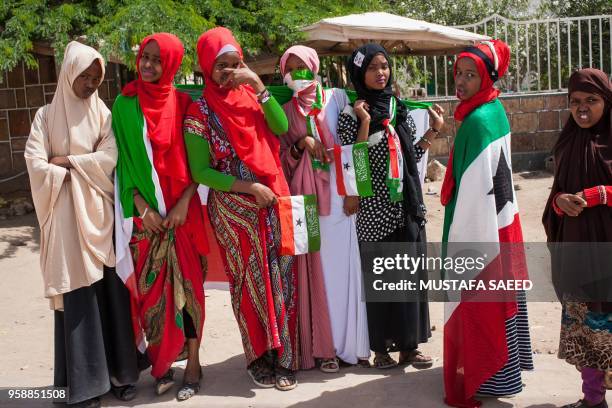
{"x":536,"y":121}
{"x":22,"y":92}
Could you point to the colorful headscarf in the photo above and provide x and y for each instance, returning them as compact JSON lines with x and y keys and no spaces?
{"x":163,"y":107}
{"x":492,"y":59}
{"x":240,"y":114}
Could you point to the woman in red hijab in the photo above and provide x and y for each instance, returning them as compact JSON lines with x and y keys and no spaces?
{"x":161,"y":242}
{"x":231,"y":134}
{"x":486,"y":345}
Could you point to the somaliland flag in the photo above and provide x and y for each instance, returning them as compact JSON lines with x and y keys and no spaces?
{"x":299,"y":219}
{"x":353,"y":170}
{"x":480,"y":207}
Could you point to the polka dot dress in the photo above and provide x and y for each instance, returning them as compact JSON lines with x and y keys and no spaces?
{"x":377,"y":216}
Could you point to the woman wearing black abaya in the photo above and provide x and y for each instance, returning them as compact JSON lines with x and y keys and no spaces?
{"x":579,"y":210}
{"x":395,"y":213}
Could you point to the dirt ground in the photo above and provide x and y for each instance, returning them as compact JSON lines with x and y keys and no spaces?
{"x":26,"y":325}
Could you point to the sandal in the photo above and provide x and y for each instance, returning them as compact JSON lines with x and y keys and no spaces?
{"x":285,"y":379}
{"x":364,"y":363}
{"x":189,"y":389}
{"x":124,"y":392}
{"x":416,"y":358}
{"x":330,"y":365}
{"x":383,"y":361}
{"x":261,"y":374}
{"x":165,"y":382}
{"x":90,"y":403}
{"x":583,"y":404}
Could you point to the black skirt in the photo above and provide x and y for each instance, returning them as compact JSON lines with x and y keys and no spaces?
{"x":94,"y":340}
{"x":399,"y":326}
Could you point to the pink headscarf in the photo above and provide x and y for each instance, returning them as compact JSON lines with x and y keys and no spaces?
{"x":306,"y":54}
{"x":302,"y":178}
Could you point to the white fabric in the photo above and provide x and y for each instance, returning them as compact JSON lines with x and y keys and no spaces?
{"x":342,"y":265}
{"x":421,"y":120}
{"x":341,"y":35}
{"x":225,"y":49}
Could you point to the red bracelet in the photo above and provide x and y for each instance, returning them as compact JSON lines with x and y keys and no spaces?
{"x":555,"y":207}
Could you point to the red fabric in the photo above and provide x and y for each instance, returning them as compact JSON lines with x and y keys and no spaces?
{"x":475,"y":326}
{"x":163,"y":108}
{"x":448,"y":185}
{"x":487,"y":92}
{"x":241,"y":115}
{"x":593,"y":196}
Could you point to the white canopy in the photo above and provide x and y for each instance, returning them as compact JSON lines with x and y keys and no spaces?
{"x":399,"y":35}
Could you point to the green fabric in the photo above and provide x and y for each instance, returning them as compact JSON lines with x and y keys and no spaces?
{"x":479,"y":129}
{"x":134,"y":169}
{"x":198,"y":153}
{"x":312,"y":223}
{"x":275,"y":117}
{"x":283,"y":94}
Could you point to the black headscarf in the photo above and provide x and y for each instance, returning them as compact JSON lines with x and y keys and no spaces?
{"x":379,"y":102}
{"x":583,"y":159}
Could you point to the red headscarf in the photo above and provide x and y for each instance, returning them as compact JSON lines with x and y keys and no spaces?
{"x":163,"y":108}
{"x":499,"y":60}
{"x":241,"y":115}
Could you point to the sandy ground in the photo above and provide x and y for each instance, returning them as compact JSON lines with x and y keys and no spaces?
{"x":26,"y":325}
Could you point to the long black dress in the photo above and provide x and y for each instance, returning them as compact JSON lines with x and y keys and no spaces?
{"x":94,"y":340}
{"x":393,"y":326}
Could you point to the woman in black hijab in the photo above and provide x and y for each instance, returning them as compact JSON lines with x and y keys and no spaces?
{"x":579,"y":210}
{"x":395,"y":213}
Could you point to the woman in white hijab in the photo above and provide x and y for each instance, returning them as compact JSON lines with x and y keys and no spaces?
{"x":71,"y":156}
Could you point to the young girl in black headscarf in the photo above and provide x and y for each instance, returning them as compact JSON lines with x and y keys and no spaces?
{"x":579,"y":210}
{"x":395,"y":213}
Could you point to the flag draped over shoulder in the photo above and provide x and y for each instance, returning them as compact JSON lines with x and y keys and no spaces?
{"x":482,"y":207}
{"x":299,"y":218}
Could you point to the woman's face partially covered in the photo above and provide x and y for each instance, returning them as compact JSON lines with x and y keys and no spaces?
{"x":88,"y":81}
{"x":586,"y":108}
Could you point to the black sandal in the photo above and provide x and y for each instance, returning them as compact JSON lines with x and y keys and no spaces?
{"x":416,"y":358}
{"x":188,"y":390}
{"x":124,"y":392}
{"x":261,"y":374}
{"x":384,"y":361}
{"x":583,"y":404}
{"x":90,"y":403}
{"x":285,"y":379}
{"x":165,"y":382}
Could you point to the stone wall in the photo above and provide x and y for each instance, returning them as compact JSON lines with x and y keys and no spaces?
{"x":535,"y":120}
{"x":22,"y":92}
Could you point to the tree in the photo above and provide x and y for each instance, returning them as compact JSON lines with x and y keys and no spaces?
{"x":116,"y":27}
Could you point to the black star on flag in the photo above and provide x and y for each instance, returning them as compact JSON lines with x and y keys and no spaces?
{"x":298,"y":222}
{"x":347,"y":166}
{"x":502,"y":184}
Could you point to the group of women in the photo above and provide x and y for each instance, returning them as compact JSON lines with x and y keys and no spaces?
{"x":133,"y":297}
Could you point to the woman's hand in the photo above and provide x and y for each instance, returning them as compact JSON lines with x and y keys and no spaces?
{"x":436,"y":117}
{"x":177,"y":215}
{"x":351,"y":205}
{"x":571,"y":204}
{"x":315,"y":148}
{"x":242,"y":75}
{"x":61,"y":161}
{"x":153,"y":222}
{"x":263,"y":195}
{"x":361,"y":109}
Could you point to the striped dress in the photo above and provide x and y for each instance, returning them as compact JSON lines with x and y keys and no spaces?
{"x":507,"y":381}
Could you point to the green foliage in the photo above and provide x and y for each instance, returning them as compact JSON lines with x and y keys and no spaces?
{"x":262,"y":26}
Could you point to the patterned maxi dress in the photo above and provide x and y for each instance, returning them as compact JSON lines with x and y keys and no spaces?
{"x":262,"y":283}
